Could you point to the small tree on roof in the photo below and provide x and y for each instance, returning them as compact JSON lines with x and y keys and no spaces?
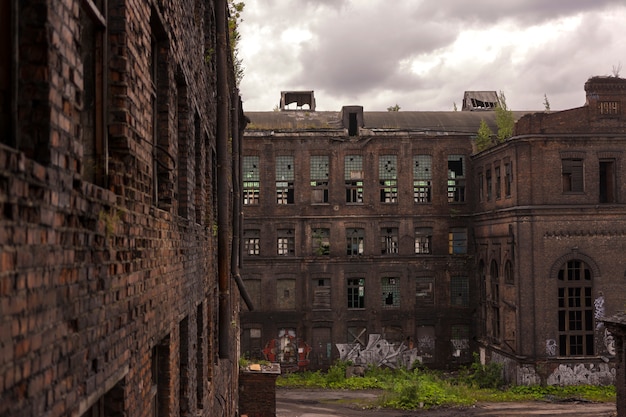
{"x":504,"y":119}
{"x":484,"y":137}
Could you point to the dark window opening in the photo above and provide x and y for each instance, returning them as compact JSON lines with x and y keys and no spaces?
{"x":456,"y":179}
{"x":356,"y":293}
{"x":498,"y":183}
{"x":7,"y":72}
{"x":575,"y":309}
{"x":353,"y":126}
{"x":607,"y":182}
{"x":572,"y":175}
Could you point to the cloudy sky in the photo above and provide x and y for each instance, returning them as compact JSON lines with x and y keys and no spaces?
{"x":423,"y":54}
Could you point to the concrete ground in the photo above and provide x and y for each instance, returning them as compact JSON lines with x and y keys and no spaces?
{"x":340,"y":403}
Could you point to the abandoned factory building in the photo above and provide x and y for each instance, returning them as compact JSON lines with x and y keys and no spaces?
{"x":115,"y":171}
{"x":361,"y":223}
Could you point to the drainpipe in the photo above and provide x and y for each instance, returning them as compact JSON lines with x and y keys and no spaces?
{"x":237,"y":130}
{"x":224,"y":172}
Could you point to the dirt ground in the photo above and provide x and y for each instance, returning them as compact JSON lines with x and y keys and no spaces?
{"x":339,"y":403}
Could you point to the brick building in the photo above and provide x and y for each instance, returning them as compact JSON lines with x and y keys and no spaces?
{"x":390,"y":223}
{"x":115,"y":175}
{"x":550,"y":233}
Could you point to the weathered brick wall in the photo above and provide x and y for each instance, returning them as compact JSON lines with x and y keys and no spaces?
{"x":257,"y":395}
{"x":108,"y":294}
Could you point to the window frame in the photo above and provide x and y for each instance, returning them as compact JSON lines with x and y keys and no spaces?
{"x":571,"y":275}
{"x":355,"y":291}
{"x":573,"y":175}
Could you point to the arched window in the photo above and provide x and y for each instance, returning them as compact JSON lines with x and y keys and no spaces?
{"x":508,"y":273}
{"x":576,"y":323}
{"x":495,"y":300}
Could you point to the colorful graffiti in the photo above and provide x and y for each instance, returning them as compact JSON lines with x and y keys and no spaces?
{"x":378,"y":352}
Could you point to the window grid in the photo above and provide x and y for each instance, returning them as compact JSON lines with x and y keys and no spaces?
{"x":423,"y":240}
{"x":353,"y":175}
{"x":575,"y":303}
{"x":456,"y":178}
{"x":459,"y":291}
{"x":286,"y":242}
{"x":319,"y":172}
{"x":251,"y":180}
{"x":356,"y":293}
{"x":355,"y":241}
{"x":284,"y":179}
{"x":390,"y":292}
{"x":422,"y":176}
{"x":251,"y":242}
{"x":389,"y":240}
{"x":388,"y":178}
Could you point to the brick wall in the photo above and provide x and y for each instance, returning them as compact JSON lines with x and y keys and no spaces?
{"x":108,"y":294}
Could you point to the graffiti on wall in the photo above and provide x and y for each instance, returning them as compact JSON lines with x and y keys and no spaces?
{"x":581,"y":373}
{"x":378,"y":352}
{"x":551,"y":347}
{"x":598,"y":307}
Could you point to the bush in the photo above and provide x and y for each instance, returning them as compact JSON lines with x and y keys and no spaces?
{"x":482,"y":376}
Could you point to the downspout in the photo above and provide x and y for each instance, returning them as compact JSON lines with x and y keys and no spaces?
{"x":237,"y":131}
{"x":224,"y":172}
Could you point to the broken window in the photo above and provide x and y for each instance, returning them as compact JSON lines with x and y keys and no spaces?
{"x":390,"y":292}
{"x":422,"y":176}
{"x":459,"y":339}
{"x":488,"y":184}
{"x":321,"y":293}
{"x":389,"y":240}
{"x":388,"y":178}
{"x":353,"y":175}
{"x":607,"y":181}
{"x":286,"y":294}
{"x":319,"y":179}
{"x":508,"y":178}
{"x":456,"y":178}
{"x":161,"y":373}
{"x":572,"y":174}
{"x":251,"y":242}
{"x":321,"y":241}
{"x":286,"y":242}
{"x":356,"y":292}
{"x":284,"y":180}
{"x":92,"y":47}
{"x":355,"y":241}
{"x":496,"y":172}
{"x":457,"y":241}
{"x":251,"y":180}
{"x":423,"y":240}
{"x":576,"y":320}
{"x":459,"y":291}
{"x":424,"y":291}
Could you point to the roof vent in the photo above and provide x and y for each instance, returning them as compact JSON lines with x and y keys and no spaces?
{"x":301,"y":98}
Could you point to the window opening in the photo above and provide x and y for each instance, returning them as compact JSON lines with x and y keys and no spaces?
{"x":423,"y":240}
{"x":200,"y":356}
{"x":286,"y":242}
{"x":495,"y":300}
{"x":422,"y":177}
{"x":489,"y":183}
{"x":424,"y":291}
{"x":508,"y":273}
{"x":508,"y":179}
{"x":576,"y":321}
{"x":286,"y":294}
{"x":183,"y":365}
{"x":7,"y":73}
{"x":321,"y":294}
{"x":252,"y":242}
{"x":456,"y":178}
{"x":389,"y":240}
{"x":319,"y":179}
{"x":353,"y":175}
{"x":607,"y":181}
{"x":390,"y":292}
{"x":457,"y":241}
{"x":321,"y":241}
{"x":388,"y":178}
{"x":498,"y":183}
{"x":353,"y":126}
{"x":284,"y":180}
{"x":251,"y":180}
{"x":481,"y":189}
{"x":356,"y":293}
{"x":355,"y":241}
{"x":459,"y":291}
{"x":92,"y":50}
{"x":572,"y":173}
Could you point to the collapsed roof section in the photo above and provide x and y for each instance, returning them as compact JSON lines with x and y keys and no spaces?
{"x":480,"y":100}
{"x":301,"y":98}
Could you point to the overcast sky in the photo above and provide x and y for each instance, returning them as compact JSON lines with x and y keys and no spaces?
{"x":423,"y":54}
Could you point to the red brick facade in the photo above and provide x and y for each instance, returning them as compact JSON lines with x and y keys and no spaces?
{"x":110,"y":298}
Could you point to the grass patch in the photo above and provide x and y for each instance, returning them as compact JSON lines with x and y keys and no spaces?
{"x":418,"y":388}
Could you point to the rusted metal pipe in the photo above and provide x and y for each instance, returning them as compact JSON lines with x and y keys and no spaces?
{"x":224,"y":171}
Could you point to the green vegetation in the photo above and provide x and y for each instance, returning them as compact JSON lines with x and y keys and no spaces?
{"x":419,"y":388}
{"x":484,"y":138}
{"x":235,"y":9}
{"x":504,"y":119}
{"x":394,"y":108}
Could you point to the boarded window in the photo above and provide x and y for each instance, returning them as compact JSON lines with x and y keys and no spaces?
{"x":424,"y":291}
{"x":286,"y":294}
{"x":321,"y":293}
